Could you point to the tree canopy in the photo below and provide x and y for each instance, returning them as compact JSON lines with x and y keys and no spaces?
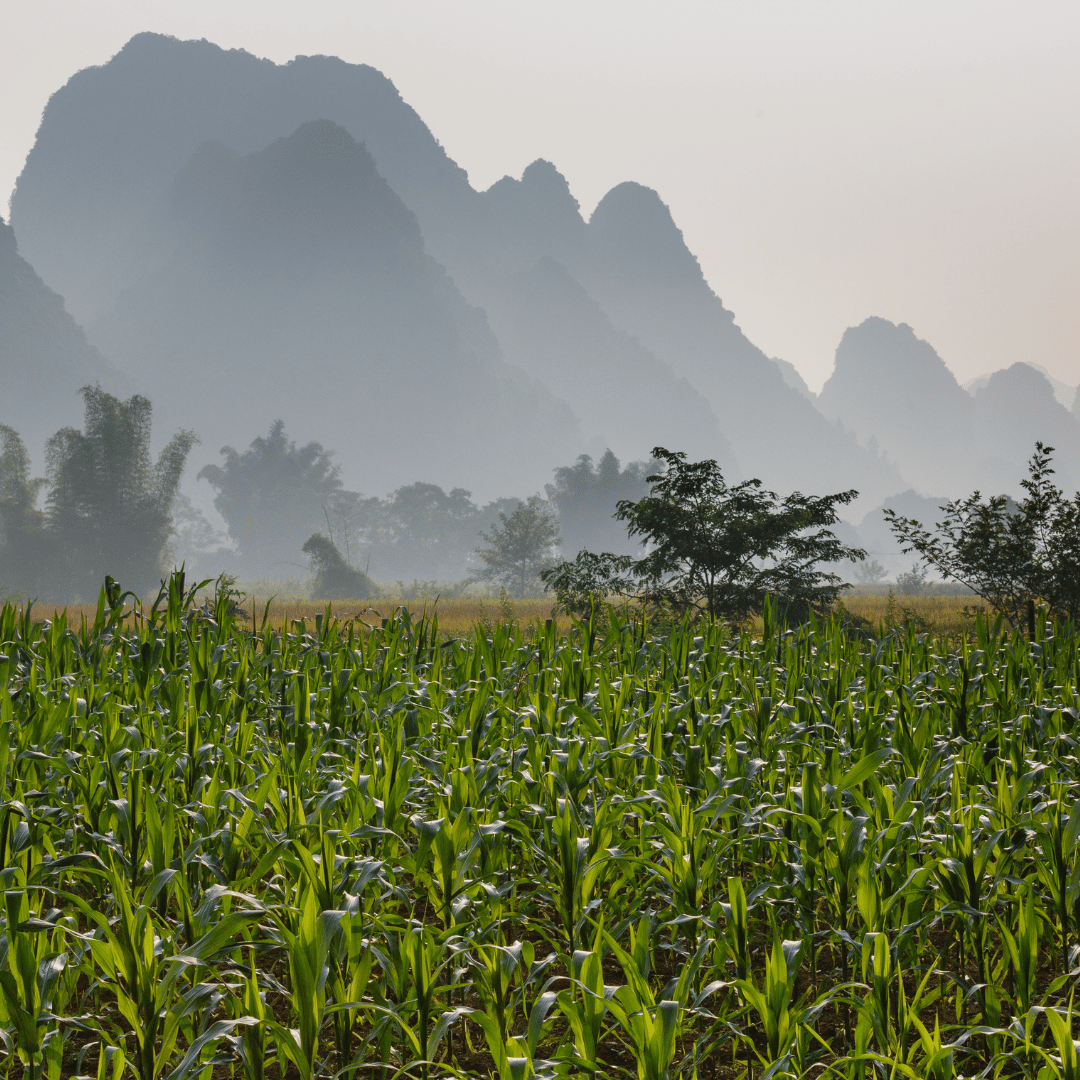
{"x":272,"y":496}
{"x":716,"y":547}
{"x":109,"y":504}
{"x":1007,"y":553}
{"x":22,"y":524}
{"x":335,"y":579}
{"x":520,"y":548}
{"x":585,"y":496}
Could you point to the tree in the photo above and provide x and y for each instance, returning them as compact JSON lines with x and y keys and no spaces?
{"x":418,"y":531}
{"x":272,"y":496}
{"x":23,"y":541}
{"x":335,"y":579}
{"x":109,"y":505}
{"x":520,"y":547}
{"x":1009,"y":554}
{"x":585,"y":496}
{"x":870,"y":572}
{"x":720,"y":548}
{"x":430,"y":533}
{"x":590,"y":579}
{"x":912,"y":582}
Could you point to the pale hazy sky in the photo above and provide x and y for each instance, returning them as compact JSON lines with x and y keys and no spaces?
{"x":825,"y":161}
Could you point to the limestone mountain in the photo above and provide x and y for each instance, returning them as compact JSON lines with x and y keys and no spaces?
{"x":1016,"y":407}
{"x":44,"y":355}
{"x":639,"y":268}
{"x":97,"y":210}
{"x":1064,"y":392}
{"x":91,"y":205}
{"x":632,"y":259}
{"x":790,"y":374}
{"x":559,"y":333}
{"x":892,"y":386}
{"x":300,"y":285}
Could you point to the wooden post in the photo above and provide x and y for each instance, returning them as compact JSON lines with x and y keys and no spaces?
{"x":1031,"y":620}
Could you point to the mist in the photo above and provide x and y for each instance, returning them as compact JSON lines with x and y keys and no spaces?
{"x":352,"y":340}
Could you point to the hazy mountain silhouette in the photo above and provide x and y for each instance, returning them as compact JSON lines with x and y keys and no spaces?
{"x":1015,"y":408}
{"x":639,"y":268}
{"x":1064,"y":392}
{"x":90,"y":204}
{"x":530,"y":219}
{"x":94,"y":206}
{"x":790,"y":374}
{"x":44,"y":354}
{"x":633,"y":260}
{"x":892,"y":386}
{"x":300,"y":280}
{"x":559,"y":334}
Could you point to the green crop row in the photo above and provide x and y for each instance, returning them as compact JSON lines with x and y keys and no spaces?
{"x":330,"y":850}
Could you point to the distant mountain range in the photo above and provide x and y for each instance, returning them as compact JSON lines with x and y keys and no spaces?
{"x":99,"y":210}
{"x":893,"y":388}
{"x":245,"y":240}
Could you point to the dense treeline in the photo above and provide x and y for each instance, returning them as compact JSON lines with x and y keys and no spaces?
{"x":275,"y":493}
{"x":108,"y":508}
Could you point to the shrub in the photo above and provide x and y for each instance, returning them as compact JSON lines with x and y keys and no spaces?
{"x":335,"y":579}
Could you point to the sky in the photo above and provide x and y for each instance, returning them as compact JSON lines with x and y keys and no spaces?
{"x":825,"y":161}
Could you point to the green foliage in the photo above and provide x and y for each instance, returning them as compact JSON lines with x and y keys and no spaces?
{"x":335,"y":579}
{"x":348,"y":850}
{"x":23,"y":542}
{"x":272,"y":496}
{"x":109,"y":505}
{"x":715,"y":547}
{"x":585,"y":496}
{"x":725,"y":548}
{"x":590,"y":580}
{"x":1007,"y":553}
{"x":520,"y":548}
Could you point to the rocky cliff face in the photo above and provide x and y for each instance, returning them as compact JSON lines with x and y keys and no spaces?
{"x":44,"y":354}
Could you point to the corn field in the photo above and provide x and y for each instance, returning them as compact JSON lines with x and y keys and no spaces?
{"x":321,"y":850}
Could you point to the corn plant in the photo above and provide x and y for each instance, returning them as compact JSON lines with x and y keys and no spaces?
{"x":349,"y":848}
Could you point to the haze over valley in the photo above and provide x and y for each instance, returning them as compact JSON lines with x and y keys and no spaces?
{"x":243,"y":242}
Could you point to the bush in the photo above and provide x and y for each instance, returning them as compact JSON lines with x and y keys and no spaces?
{"x":335,"y":579}
{"x":1010,"y":554}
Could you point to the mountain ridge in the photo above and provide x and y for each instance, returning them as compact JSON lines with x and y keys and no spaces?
{"x":302,"y":279}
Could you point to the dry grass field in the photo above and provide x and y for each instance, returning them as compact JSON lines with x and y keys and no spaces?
{"x":455,"y":616}
{"x":951,"y":616}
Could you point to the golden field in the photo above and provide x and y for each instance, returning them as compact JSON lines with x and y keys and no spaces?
{"x":455,"y":616}
{"x":948,"y":615}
